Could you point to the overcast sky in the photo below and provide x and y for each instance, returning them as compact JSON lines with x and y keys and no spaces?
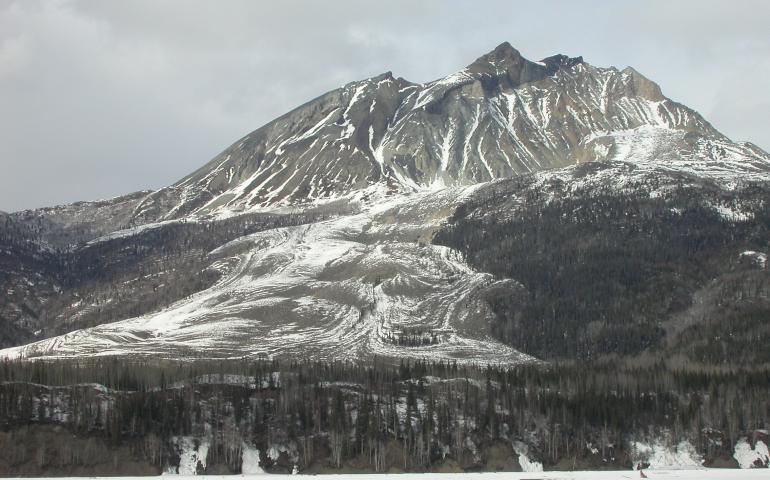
{"x":102,"y":98}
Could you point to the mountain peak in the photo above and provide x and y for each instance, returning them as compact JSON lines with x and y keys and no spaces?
{"x":506,"y":65}
{"x":503,"y":57}
{"x":504,"y":51}
{"x":492,"y":119}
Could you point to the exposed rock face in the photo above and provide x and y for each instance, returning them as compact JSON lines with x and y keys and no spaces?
{"x":555,"y":62}
{"x":502,"y":115}
{"x":504,"y":67}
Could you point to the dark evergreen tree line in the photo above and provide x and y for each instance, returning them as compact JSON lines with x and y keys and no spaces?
{"x":413,"y":416}
{"x":612,"y":273}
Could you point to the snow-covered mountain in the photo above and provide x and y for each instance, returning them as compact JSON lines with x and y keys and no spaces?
{"x":500,"y":116}
{"x":314,"y":235}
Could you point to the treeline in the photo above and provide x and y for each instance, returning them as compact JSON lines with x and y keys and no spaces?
{"x":610,"y":272}
{"x":414,"y":337}
{"x":414,"y":417}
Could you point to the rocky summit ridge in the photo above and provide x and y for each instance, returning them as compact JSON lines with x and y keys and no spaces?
{"x":500,"y":116}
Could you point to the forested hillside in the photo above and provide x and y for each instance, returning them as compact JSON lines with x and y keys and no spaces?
{"x":54,"y":288}
{"x":600,"y":270}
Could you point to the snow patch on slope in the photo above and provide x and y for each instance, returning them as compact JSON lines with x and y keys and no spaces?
{"x":129,"y":232}
{"x":526,"y":463}
{"x":250,"y":461}
{"x":759,"y":258}
{"x":192,"y":454}
{"x":748,"y":457}
{"x":662,"y":456}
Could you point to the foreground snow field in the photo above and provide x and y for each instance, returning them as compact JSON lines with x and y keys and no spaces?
{"x":721,"y":474}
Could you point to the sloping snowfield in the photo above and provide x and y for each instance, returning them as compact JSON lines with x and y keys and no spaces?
{"x":344,"y":288}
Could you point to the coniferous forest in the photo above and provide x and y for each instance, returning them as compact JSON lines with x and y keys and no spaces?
{"x":111,"y":416}
{"x":601,"y":273}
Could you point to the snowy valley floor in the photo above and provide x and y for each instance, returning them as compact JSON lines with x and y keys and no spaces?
{"x":721,"y":474}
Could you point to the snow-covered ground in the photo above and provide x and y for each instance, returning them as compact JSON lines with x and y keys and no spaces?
{"x":715,"y":474}
{"x":660,"y":455}
{"x":598,"y":475}
{"x":344,"y":288}
{"x":748,"y":457}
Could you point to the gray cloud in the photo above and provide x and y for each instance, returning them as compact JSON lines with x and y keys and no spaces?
{"x":103,"y":98}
